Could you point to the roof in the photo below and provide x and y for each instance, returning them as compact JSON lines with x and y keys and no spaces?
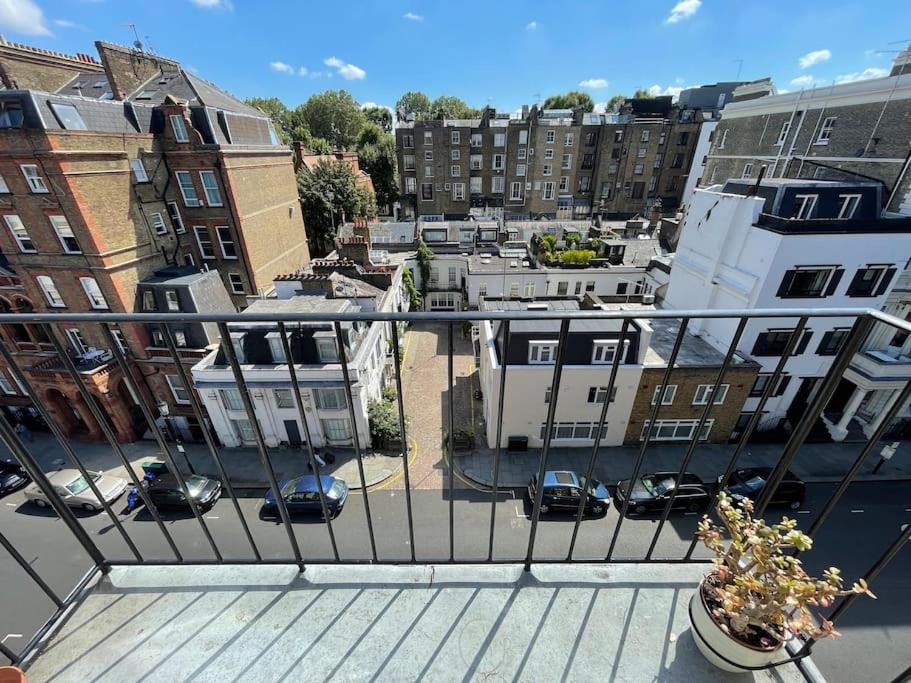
{"x":302,"y":303}
{"x":693,"y":350}
{"x":494,"y":263}
{"x":568,"y":304}
{"x":87,"y":84}
{"x":183,"y":276}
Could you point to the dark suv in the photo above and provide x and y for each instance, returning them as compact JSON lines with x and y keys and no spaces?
{"x":165,"y":491}
{"x":749,"y":482}
{"x":564,"y":490}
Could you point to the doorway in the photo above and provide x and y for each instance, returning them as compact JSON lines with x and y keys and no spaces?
{"x":293,"y":432}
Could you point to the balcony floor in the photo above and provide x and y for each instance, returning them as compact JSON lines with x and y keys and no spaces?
{"x":365,"y":623}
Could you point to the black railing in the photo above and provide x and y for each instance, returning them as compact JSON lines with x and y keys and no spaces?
{"x":864,"y":321}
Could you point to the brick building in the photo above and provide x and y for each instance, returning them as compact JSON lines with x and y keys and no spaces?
{"x":109,"y":171}
{"x":548,"y":163}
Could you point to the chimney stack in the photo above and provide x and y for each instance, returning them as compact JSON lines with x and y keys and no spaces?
{"x":902,"y":63}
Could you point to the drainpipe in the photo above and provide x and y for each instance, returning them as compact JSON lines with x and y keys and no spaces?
{"x":232,"y":212}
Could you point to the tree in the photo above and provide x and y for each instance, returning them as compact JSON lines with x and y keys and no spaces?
{"x":613,"y":104}
{"x":450,"y":107}
{"x":328,"y":195}
{"x":364,"y":202}
{"x":570,"y":100}
{"x":416,"y":103}
{"x":376,"y":154}
{"x":383,"y":420}
{"x":641,"y":94}
{"x":424,"y":256}
{"x":318,"y":146}
{"x":379,"y":116}
{"x":414,"y":298}
{"x":335,"y":116}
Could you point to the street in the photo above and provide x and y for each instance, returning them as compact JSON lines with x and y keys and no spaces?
{"x":866,"y":521}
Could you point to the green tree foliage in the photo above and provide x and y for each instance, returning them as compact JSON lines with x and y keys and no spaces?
{"x":328,"y":195}
{"x":641,"y":94}
{"x":450,"y":107}
{"x":414,"y":297}
{"x":570,"y":100}
{"x":379,"y":116}
{"x":376,"y":154}
{"x":416,"y":103}
{"x":365,"y":202}
{"x":383,"y":420}
{"x":576,"y":256}
{"x":424,"y":256}
{"x":613,"y":104}
{"x":334,"y":116}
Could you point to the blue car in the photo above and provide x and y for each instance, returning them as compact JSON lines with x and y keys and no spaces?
{"x":564,"y":490}
{"x":302,"y":495}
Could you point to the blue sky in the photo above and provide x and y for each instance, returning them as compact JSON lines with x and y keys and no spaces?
{"x":502,"y":52}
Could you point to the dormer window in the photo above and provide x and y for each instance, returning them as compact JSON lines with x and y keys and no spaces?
{"x":237,"y":341}
{"x":275,"y":347}
{"x":326,"y":347}
{"x":542,"y":352}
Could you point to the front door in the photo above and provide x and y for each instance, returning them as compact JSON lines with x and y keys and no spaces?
{"x":294,"y":435}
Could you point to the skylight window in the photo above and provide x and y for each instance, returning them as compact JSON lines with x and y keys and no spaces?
{"x":100,"y":84}
{"x":68,"y":116}
{"x":146,"y":95}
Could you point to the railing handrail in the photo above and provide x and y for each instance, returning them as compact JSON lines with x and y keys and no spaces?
{"x":449,"y":316}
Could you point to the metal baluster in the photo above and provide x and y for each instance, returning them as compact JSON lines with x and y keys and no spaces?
{"x":691,"y":449}
{"x":9,"y":654}
{"x":903,"y":677}
{"x":28,"y":569}
{"x":753,"y":421}
{"x":640,"y":459}
{"x":231,"y":356}
{"x":64,"y":442}
{"x":346,"y":376}
{"x":619,"y":354}
{"x":884,"y":426}
{"x":859,"y":332}
{"x":206,"y":433}
{"x":314,"y":465}
{"x":548,"y":434}
{"x":504,"y":364}
{"x":100,"y":418}
{"x":133,"y":386}
{"x":450,"y":445}
{"x":403,"y":435}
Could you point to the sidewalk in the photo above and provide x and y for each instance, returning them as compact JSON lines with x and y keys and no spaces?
{"x":816,"y":462}
{"x":243,"y":465}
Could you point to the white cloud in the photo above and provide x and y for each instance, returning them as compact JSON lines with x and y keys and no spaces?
{"x":593,"y":83}
{"x":66,"y":23}
{"x":871,"y":72}
{"x":683,"y":10}
{"x":349,"y":72}
{"x":806,"y":79}
{"x":672,"y":90}
{"x":212,"y":4}
{"x":320,"y":74}
{"x":411,"y":16}
{"x":23,"y":16}
{"x":600,"y":107}
{"x":815,"y":57}
{"x":281,"y":67}
{"x":531,"y":25}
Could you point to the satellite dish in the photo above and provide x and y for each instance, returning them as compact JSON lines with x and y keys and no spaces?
{"x":137,"y":44}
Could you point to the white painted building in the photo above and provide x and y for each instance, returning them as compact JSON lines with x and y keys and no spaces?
{"x":796,"y":244}
{"x":700,"y":159}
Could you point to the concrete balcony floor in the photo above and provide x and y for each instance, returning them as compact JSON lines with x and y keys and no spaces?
{"x":379,"y":623}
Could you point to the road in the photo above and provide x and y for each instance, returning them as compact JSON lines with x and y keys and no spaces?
{"x":867,"y":520}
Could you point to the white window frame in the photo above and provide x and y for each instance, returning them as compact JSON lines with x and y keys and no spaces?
{"x":428,"y":155}
{"x":476,"y":184}
{"x":564,"y":183}
{"x":93,"y":293}
{"x":178,"y":390}
{"x":807,"y":203}
{"x":567,"y":161}
{"x":848,"y":205}
{"x":515,"y":191}
{"x":670,"y":391}
{"x":548,"y":190}
{"x":4,"y":188}
{"x":688,"y":427}
{"x":548,"y":169}
{"x":456,"y":155}
{"x":77,"y":341}
{"x":20,"y":233}
{"x":520,"y":170}
{"x":176,"y":218}
{"x":499,"y":139}
{"x":529,"y":290}
{"x":190,"y":200}
{"x":455,"y":171}
{"x":477,"y":140}
{"x":497,"y":185}
{"x":458,"y":192}
{"x":336,"y":429}
{"x":569,"y":140}
{"x":5,"y":385}
{"x":456,"y":137}
{"x":428,"y":137}
{"x":724,"y":139}
{"x":140,"y":175}
{"x":158,"y":224}
{"x":498,"y":162}
{"x":542,"y":352}
{"x":222,"y":242}
{"x":50,"y":291}
{"x":237,"y":283}
{"x":211,"y":189}
{"x":604,"y":350}
{"x":197,"y":229}
{"x":782,"y":134}
{"x":179,"y":126}
{"x":408,"y":160}
{"x":641,"y":152}
{"x":411,"y":185}
{"x":548,"y":154}
{"x":513,"y":290}
{"x":644,"y":135}
{"x":35,"y":182}
{"x":703,"y":391}
{"x":428,"y":171}
{"x":825,"y":131}
{"x":523,"y":137}
{"x":180,"y":338}
{"x":482,"y":289}
{"x":64,"y":231}
{"x":476,"y":162}
{"x":172,"y":300}
{"x":522,"y":153}
{"x":322,"y":348}
{"x":747,"y":170}
{"x":551,"y":137}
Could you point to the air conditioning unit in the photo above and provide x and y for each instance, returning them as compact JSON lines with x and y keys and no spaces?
{"x":648,"y":298}
{"x":531,"y":151}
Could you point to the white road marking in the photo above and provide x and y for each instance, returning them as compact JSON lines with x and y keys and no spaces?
{"x":689,"y":514}
{"x":520,"y":510}
{"x":11,"y":505}
{"x":10,"y":635}
{"x":856,"y":510}
{"x":212,"y":517}
{"x":803,"y":512}
{"x":906,"y":509}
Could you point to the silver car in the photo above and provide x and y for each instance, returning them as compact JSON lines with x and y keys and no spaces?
{"x":75,"y":491}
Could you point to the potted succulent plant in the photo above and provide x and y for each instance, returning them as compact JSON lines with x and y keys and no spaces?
{"x":757,"y":596}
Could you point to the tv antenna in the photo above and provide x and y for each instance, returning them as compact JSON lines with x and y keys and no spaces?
{"x":137,"y":44}
{"x":739,"y":68}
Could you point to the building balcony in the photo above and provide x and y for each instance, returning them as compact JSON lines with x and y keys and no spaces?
{"x":880,"y":367}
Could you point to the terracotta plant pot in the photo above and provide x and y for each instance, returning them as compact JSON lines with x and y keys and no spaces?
{"x":724,"y":650}
{"x":12,"y":674}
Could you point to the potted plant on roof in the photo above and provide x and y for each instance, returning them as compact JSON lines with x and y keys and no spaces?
{"x":757,"y":597}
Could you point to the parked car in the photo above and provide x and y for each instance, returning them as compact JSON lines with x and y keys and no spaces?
{"x":302,"y":495}
{"x":75,"y":491}
{"x":749,"y":482}
{"x":564,"y":490}
{"x":164,"y":491}
{"x":652,"y":491}
{"x":12,"y":476}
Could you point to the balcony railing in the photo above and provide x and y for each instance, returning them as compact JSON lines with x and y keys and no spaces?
{"x":295,"y":553}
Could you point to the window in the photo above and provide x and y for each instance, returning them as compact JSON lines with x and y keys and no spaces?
{"x":458,"y":192}
{"x":173,"y":302}
{"x":652,"y":184}
{"x":774,"y":342}
{"x":476,"y":162}
{"x":148,"y":301}
{"x":499,"y":140}
{"x":637,"y":169}
{"x":551,"y":137}
{"x":578,"y":289}
{"x":564,"y":183}
{"x":176,"y":220}
{"x":782,"y":134}
{"x":158,"y":224}
{"x":428,"y":155}
{"x":603,"y":351}
{"x":327,"y":349}
{"x":179,"y":128}
{"x":567,"y":161}
{"x":832,"y":341}
{"x":762,"y":381}
{"x":747,"y":170}
{"x":157,"y":338}
{"x":568,"y":140}
{"x":204,"y":240}
{"x":542,"y":352}
{"x":410,"y":185}
{"x":618,"y":136}
{"x":283,"y":398}
{"x":585,"y":183}
{"x":4,"y":188}
{"x":187,"y":189}
{"x":676,"y":430}
{"x":93,"y":293}
{"x":588,"y":161}
{"x":188,"y":260}
{"x":482,"y":289}
{"x":515,"y":192}
{"x":244,"y":430}
{"x":50,"y":291}
{"x":497,"y":184}
{"x":562,"y":288}
{"x":409,"y":162}
{"x":522,"y":153}
{"x":236,"y":283}
{"x":804,"y":205}
{"x":672,"y":183}
{"x":456,"y":138}
{"x":809,"y":282}
{"x":426,"y":192}
{"x":678,"y":161}
{"x":139,"y":171}
{"x":408,"y":141}
{"x":591,"y":139}
{"x":638,"y":190}
{"x":428,"y":171}
{"x":641,"y":152}
{"x":724,"y":139}
{"x":572,"y":430}
{"x":529,"y":290}
{"x":683,"y":138}
{"x":68,"y":116}
{"x":455,"y":171}
{"x":704,"y":392}
{"x":336,"y":429}
{"x":231,"y":399}
{"x":548,"y":169}
{"x":497,"y":162}
{"x":428,"y":137}
{"x":456,"y":155}
{"x":65,"y":234}
{"x":548,"y":190}
{"x":520,"y":170}
{"x":476,"y":140}
{"x":590,"y":286}
{"x":180,"y":338}
{"x":599,"y":394}
{"x":847,"y":205}
{"x":11,"y":114}
{"x":35,"y":182}
{"x":871,"y":281}
{"x":658,"y":159}
{"x":5,"y":385}
{"x":210,"y":186}
{"x":20,"y":234}
{"x":453,"y":275}
{"x":475,"y":185}
{"x":178,"y":390}
{"x":548,"y":154}
{"x":331,"y":399}
{"x":76,"y":341}
{"x":669,"y":392}
{"x":825,"y":132}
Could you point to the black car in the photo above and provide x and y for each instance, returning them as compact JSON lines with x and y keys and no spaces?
{"x":165,"y":491}
{"x":652,"y":491}
{"x":12,"y":477}
{"x":749,"y":482}
{"x":563,"y":491}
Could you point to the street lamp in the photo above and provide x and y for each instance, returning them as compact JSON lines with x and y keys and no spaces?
{"x":165,"y":411}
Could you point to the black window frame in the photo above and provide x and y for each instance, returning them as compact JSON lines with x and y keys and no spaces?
{"x":828,"y":287}
{"x":832,"y":341}
{"x":764,"y":347}
{"x":857,"y":287}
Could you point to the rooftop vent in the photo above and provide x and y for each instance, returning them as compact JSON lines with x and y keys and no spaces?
{"x":513,"y":264}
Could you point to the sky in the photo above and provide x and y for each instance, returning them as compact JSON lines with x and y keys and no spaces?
{"x":501,"y":52}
